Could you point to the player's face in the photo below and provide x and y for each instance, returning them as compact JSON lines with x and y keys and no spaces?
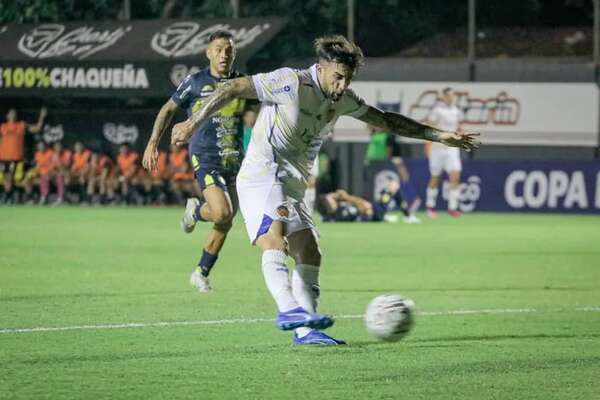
{"x":11,"y":115}
{"x":78,"y":147}
{"x":221,"y":54}
{"x":448,"y":98}
{"x":334,"y":78}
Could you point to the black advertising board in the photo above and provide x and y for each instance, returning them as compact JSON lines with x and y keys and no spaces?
{"x":124,"y":59}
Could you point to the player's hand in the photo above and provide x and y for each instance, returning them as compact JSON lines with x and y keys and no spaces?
{"x":181,"y":132}
{"x":43,"y":112}
{"x":150,"y":159}
{"x":466,"y":141}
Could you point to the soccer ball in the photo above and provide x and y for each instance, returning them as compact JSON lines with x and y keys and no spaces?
{"x":390,"y":317}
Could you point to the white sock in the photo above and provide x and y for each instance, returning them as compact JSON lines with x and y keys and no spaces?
{"x":432,"y":194}
{"x":305,"y":287}
{"x":278,"y":280}
{"x":309,"y":198}
{"x":453,"y":196}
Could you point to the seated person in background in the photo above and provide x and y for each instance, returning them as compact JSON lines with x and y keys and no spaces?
{"x":340,"y":206}
{"x":383,"y":146}
{"x":182,"y":176}
{"x":80,"y":171}
{"x":99,"y":188}
{"x":61,"y":163}
{"x":156,"y":179}
{"x":127,"y":172}
{"x":43,"y":169}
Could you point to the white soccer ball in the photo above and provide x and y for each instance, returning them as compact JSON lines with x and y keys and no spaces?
{"x":390,"y":317}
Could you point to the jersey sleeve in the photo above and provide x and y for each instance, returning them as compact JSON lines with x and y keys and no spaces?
{"x":352,"y":105}
{"x":183,"y":94}
{"x":279,"y":86}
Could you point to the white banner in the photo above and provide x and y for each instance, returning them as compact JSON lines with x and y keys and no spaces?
{"x":559,"y":114}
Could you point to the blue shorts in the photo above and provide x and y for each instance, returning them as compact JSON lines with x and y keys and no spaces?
{"x":214,"y":176}
{"x":210,"y":173}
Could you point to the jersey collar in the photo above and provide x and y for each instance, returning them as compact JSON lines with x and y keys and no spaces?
{"x":315,"y":78}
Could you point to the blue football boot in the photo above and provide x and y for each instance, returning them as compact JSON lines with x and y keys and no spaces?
{"x":299,"y":317}
{"x":318,"y":338}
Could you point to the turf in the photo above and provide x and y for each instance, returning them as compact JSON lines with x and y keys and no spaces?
{"x":538,"y":277}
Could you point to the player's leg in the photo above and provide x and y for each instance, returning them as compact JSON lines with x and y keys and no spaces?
{"x":8,"y":181}
{"x":59,"y":181}
{"x":220,"y":208}
{"x":435,"y":169}
{"x":303,"y":247}
{"x":44,"y":187}
{"x":453,"y":167}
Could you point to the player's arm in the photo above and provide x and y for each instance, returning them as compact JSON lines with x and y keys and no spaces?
{"x":162,"y":120}
{"x":404,"y":126}
{"x":239,"y":88}
{"x":37,"y":128}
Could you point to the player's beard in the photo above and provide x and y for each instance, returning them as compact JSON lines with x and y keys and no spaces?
{"x":335,"y":96}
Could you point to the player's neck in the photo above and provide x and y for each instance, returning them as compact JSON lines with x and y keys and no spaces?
{"x":217,"y":74}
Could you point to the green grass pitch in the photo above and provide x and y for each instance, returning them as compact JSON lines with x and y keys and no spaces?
{"x":509,"y":309}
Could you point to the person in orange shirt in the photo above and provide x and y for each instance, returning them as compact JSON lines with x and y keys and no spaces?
{"x":44,"y":163}
{"x":12,"y":135}
{"x":101,"y":170}
{"x":61,"y":164}
{"x":155,"y":180}
{"x":80,"y":170}
{"x":182,"y":177}
{"x":127,"y":168}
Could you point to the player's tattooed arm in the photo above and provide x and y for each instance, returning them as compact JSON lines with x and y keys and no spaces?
{"x":240,"y":88}
{"x":163,"y":119}
{"x":404,"y":126}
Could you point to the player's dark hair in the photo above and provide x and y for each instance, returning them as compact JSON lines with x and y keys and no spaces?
{"x":338,"y":49}
{"x":220,"y":35}
{"x":322,"y":205}
{"x":446,"y":90}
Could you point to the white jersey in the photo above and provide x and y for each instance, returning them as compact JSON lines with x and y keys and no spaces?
{"x":446,"y":118}
{"x":442,"y":157}
{"x":294,"y":117}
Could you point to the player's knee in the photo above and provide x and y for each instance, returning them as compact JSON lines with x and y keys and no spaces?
{"x":221,"y":215}
{"x":224,"y":227}
{"x":270,"y":241}
{"x":311,"y":255}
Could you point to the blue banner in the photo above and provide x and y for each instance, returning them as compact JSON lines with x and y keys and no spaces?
{"x":523,"y":186}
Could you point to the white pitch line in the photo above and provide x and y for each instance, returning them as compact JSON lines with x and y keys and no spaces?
{"x":260,"y":320}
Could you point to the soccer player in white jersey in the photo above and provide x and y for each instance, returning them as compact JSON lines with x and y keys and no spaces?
{"x":446,"y":116}
{"x":297,"y":108}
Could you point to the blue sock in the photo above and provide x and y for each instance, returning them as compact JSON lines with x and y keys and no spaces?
{"x":207,"y":262}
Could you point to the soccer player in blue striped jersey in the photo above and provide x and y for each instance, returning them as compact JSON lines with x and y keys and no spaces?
{"x":215,"y":150}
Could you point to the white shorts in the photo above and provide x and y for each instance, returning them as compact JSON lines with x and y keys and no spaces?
{"x":444,"y":159}
{"x":261,"y":195}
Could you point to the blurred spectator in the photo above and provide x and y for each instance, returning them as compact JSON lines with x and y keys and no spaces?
{"x":61,"y":164}
{"x":102,"y":170}
{"x":80,"y":170}
{"x":44,"y":162}
{"x":127,"y":168}
{"x":12,"y":135}
{"x":182,"y":177}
